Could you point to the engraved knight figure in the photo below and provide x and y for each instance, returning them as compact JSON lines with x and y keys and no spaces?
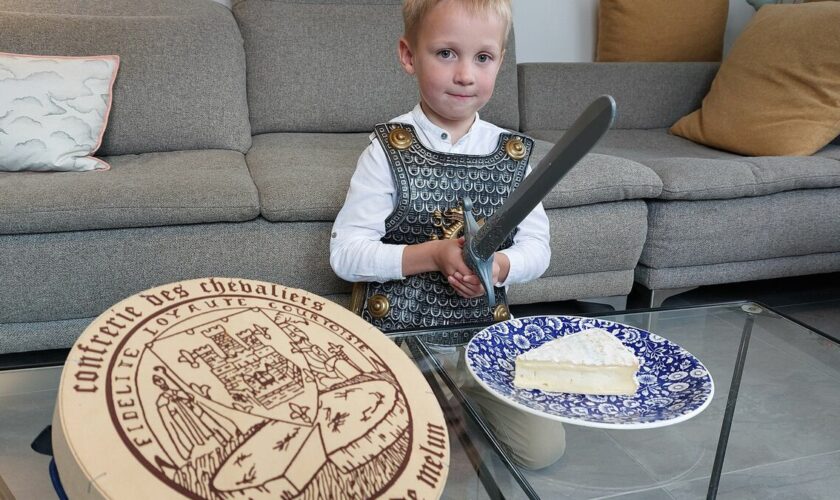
{"x":185,"y":420}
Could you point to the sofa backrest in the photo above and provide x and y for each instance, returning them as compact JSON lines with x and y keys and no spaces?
{"x":181,"y":81}
{"x":331,"y":66}
{"x":648,"y":95}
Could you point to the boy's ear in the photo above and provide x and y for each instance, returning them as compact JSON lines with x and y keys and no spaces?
{"x":406,"y":55}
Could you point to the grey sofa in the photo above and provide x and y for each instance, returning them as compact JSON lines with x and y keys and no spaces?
{"x":720,"y":217}
{"x":233,"y":136}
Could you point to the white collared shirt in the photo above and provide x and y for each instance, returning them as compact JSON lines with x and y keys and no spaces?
{"x":356,"y":250}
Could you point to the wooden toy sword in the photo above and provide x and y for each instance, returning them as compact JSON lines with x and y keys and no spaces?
{"x":481,"y":243}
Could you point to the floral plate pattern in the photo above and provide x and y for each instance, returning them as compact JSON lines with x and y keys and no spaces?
{"x":673,"y":385}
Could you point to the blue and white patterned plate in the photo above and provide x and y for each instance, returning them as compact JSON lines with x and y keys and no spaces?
{"x":673,"y":385}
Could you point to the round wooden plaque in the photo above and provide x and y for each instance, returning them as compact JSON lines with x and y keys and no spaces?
{"x":233,"y":388}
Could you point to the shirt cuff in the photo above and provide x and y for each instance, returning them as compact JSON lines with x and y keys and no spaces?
{"x":391,"y":262}
{"x":516,"y":263}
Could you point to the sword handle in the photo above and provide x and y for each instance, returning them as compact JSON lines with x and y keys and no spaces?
{"x":482,"y":267}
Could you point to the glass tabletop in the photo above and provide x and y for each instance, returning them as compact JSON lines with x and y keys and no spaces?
{"x":477,"y":469}
{"x":770,"y":430}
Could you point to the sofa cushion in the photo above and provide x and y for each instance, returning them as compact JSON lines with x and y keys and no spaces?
{"x":690,"y":171}
{"x":641,"y":144}
{"x":151,"y":189}
{"x":593,"y":249}
{"x":599,"y":178}
{"x":778,"y":90}
{"x":700,"y":232}
{"x":647,"y":95}
{"x":661,"y":30}
{"x":731,"y":272}
{"x":181,"y":83}
{"x":331,"y":66}
{"x":597,"y":237}
{"x":705,"y":179}
{"x":53,"y":111}
{"x":305,"y":177}
{"x":78,"y":274}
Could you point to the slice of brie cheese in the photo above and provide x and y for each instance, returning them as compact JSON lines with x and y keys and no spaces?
{"x":589,"y":362}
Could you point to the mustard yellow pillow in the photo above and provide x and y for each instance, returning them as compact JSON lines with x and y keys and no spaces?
{"x":778,"y":91}
{"x":757,"y":4}
{"x":661,"y":30}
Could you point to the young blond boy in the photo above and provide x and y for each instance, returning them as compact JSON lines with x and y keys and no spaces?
{"x":395,"y":232}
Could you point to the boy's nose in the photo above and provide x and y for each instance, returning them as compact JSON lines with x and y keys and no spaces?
{"x":464,"y":74}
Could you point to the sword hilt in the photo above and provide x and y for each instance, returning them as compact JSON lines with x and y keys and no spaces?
{"x":482,"y":267}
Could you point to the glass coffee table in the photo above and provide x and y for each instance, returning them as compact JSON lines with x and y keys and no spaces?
{"x":769,"y":431}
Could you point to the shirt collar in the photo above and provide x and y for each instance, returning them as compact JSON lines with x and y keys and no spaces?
{"x":432,"y":130}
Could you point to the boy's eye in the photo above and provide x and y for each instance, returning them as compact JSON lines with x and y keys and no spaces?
{"x":445,"y":53}
{"x":483,"y":58}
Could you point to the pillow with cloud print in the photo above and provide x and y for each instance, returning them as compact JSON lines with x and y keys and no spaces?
{"x":53,"y":111}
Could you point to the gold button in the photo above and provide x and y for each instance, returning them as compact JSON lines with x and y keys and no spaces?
{"x":378,"y":306}
{"x":500,"y":313}
{"x":399,"y":138}
{"x":515,"y":148}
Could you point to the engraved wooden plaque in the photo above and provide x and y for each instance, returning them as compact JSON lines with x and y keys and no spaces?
{"x":225,"y":388}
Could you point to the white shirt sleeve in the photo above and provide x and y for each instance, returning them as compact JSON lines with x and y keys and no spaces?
{"x":356,"y":252}
{"x":530,"y":253}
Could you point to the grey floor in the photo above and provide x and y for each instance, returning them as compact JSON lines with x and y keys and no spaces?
{"x":26,"y":404}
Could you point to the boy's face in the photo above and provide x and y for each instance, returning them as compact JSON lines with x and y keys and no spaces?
{"x":455,"y":57}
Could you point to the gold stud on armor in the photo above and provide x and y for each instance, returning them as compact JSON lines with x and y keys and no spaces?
{"x":378,"y":306}
{"x":399,"y":138}
{"x":500,"y":313}
{"x":515,"y":148}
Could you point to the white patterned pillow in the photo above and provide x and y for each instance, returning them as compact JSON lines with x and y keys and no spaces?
{"x":53,"y":111}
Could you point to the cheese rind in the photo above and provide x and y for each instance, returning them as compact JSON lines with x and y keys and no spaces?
{"x":589,"y":362}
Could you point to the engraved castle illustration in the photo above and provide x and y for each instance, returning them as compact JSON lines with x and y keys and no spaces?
{"x":252,"y":371}
{"x":262,"y":404}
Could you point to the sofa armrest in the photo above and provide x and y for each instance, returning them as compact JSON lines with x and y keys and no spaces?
{"x":648,"y":95}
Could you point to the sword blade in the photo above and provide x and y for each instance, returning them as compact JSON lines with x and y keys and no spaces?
{"x":578,"y":140}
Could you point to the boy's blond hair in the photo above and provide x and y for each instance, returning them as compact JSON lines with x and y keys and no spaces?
{"x":415,"y":10}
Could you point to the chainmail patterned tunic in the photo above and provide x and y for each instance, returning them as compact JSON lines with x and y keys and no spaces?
{"x":427,"y":181}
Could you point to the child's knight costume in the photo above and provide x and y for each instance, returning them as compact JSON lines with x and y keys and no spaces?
{"x":430,"y":186}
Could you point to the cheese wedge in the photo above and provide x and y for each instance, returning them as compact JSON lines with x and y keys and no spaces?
{"x":589,"y":362}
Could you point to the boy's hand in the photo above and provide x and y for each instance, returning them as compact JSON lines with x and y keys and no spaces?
{"x":469,"y":285}
{"x":447,"y":257}
{"x":444,"y":256}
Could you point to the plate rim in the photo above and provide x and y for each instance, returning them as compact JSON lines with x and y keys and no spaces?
{"x":581,"y":422}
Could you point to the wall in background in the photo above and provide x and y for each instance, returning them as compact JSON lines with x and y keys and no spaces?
{"x":565,"y":30}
